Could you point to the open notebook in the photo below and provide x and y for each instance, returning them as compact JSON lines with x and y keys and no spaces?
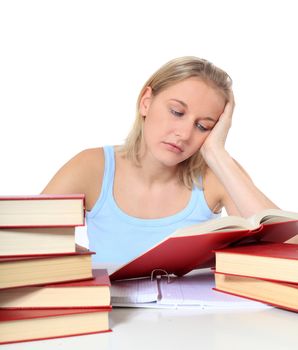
{"x":194,"y":290}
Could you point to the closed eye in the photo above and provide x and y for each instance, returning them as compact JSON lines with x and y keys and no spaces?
{"x":201,"y":127}
{"x":176,"y":113}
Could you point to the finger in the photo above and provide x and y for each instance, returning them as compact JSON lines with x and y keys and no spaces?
{"x":231,"y":97}
{"x":228,"y":111}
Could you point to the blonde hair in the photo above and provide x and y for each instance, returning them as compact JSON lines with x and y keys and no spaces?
{"x":173,"y":72}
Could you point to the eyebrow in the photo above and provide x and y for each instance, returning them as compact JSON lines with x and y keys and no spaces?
{"x":186,"y":106}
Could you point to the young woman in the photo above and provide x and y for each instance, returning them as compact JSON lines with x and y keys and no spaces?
{"x":173,"y":169}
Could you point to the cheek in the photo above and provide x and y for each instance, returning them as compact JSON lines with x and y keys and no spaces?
{"x":155,"y":121}
{"x":199,"y":140}
{"x":150,"y":122}
{"x":204,"y":136}
{"x":150,"y":129}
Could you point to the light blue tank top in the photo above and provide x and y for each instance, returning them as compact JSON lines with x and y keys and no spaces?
{"x":118,"y":238}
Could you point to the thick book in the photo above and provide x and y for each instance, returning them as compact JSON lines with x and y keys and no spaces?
{"x":195,"y":290}
{"x":193,"y":247}
{"x":28,"y":325}
{"x":36,"y":240}
{"x":280,"y":294}
{"x":275,"y":261}
{"x":88,"y":294}
{"x":20,"y":271}
{"x":42,"y":210}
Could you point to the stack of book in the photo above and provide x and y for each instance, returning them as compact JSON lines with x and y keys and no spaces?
{"x":47,"y":286}
{"x":266,"y":272}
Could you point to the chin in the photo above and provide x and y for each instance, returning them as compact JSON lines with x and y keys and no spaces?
{"x":166,"y":157}
{"x":170,"y":161}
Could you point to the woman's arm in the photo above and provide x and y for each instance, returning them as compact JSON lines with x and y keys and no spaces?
{"x":81,"y":174}
{"x":241,"y":196}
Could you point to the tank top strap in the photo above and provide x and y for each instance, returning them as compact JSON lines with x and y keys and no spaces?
{"x":109,"y":169}
{"x":107,"y":181}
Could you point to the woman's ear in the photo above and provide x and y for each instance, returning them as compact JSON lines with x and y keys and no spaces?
{"x":145,"y":101}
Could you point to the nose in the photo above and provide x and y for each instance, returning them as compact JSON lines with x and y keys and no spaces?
{"x":184,"y":130}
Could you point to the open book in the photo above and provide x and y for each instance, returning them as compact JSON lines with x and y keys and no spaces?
{"x":228,"y":223}
{"x":193,"y":247}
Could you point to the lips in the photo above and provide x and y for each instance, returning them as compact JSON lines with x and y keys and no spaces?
{"x":173,"y":147}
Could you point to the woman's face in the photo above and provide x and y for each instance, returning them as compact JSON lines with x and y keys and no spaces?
{"x":179,"y":119}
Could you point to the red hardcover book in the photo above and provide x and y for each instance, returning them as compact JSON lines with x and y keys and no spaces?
{"x":42,"y":210}
{"x":89,"y":293}
{"x":275,"y":261}
{"x":193,"y":247}
{"x":28,"y":325}
{"x":20,"y":271}
{"x":279,"y":294}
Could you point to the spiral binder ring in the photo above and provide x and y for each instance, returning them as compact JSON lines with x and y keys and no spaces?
{"x":159,"y":275}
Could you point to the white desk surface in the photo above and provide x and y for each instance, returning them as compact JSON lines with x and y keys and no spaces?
{"x":265,"y":328}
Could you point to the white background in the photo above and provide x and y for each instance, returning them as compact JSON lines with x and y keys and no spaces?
{"x":70,"y":73}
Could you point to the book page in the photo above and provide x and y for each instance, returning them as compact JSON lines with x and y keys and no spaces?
{"x":197,"y":289}
{"x":225,"y":223}
{"x":273,"y":215}
{"x":134,"y":291}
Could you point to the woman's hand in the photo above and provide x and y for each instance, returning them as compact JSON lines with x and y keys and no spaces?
{"x":215,"y":142}
{"x":240,"y":196}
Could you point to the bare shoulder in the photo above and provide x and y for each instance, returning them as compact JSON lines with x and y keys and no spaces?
{"x":81,"y":174}
{"x":92,"y":158}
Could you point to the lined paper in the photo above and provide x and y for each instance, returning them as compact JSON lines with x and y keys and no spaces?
{"x":134,"y":291}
